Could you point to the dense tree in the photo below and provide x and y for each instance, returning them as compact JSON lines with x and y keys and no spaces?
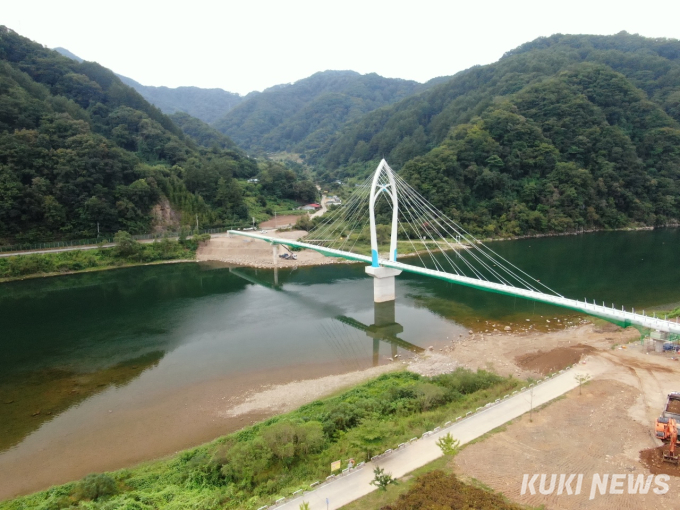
{"x":648,"y":68}
{"x":202,"y":133}
{"x":302,"y":116}
{"x":81,"y":152}
{"x":549,"y":159}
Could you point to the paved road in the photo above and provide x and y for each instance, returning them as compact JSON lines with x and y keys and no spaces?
{"x":84,"y":247}
{"x":56,"y":250}
{"x":357,"y":484}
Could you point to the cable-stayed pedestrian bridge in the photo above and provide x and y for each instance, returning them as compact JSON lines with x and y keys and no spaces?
{"x":386,"y":212}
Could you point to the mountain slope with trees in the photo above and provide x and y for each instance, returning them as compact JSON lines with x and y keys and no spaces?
{"x":562,"y":133}
{"x":205,"y":104}
{"x":202,"y":133}
{"x":301,"y":116}
{"x":81,"y":151}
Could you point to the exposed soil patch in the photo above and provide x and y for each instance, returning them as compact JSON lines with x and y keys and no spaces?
{"x":280,"y":221}
{"x":554,"y":360}
{"x":605,"y":327}
{"x":256,"y":253}
{"x":590,"y":434}
{"x":652,"y":459}
{"x":431,"y":364}
{"x":438,"y":490}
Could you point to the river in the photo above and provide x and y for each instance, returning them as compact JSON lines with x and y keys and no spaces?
{"x":103,"y":370}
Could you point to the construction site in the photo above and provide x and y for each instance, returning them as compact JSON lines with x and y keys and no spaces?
{"x":621,"y":421}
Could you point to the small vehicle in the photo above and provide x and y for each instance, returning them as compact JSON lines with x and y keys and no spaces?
{"x":284,"y":256}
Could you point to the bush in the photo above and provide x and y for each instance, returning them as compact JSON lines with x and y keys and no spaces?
{"x":126,"y":246}
{"x":97,"y":486}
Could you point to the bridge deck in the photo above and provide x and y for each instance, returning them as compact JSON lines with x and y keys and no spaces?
{"x":619,"y":317}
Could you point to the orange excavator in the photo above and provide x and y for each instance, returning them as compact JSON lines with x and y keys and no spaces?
{"x":667,"y":429}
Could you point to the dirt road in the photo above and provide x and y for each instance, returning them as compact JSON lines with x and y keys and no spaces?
{"x":599,"y":432}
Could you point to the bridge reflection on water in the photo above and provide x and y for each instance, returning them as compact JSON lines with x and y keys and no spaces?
{"x":384,"y":329}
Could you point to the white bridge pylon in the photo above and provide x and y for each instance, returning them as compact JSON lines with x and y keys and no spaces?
{"x":384,"y":285}
{"x":455,"y":255}
{"x":378,"y":186}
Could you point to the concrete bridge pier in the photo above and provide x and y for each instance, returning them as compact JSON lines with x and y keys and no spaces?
{"x":275,"y":254}
{"x":384,"y":328}
{"x":384,"y":288}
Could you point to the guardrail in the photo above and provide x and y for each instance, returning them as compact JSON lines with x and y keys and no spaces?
{"x":109,"y":239}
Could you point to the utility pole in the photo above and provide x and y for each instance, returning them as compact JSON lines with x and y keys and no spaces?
{"x":197,"y":223}
{"x":274,"y":220}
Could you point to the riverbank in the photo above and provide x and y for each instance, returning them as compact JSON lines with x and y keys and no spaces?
{"x":576,"y":233}
{"x":118,"y":437}
{"x":280,"y":456}
{"x":245,"y":251}
{"x":249,"y":252}
{"x":41,"y":265}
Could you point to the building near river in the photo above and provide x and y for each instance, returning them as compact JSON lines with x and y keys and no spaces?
{"x":309,"y":207}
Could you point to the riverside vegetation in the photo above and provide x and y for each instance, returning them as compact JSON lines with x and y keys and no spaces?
{"x":272,"y":459}
{"x":126,"y":252}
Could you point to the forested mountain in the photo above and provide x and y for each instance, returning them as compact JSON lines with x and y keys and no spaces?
{"x":207,"y":105}
{"x":67,"y":53}
{"x":301,"y":116}
{"x":79,"y":149}
{"x":561,"y":133}
{"x":564,"y":132}
{"x":202,"y":133}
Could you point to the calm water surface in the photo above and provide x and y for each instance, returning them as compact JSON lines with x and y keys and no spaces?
{"x":107,"y":339}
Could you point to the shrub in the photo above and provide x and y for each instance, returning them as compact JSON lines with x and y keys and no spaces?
{"x":126,"y":246}
{"x":97,"y":486}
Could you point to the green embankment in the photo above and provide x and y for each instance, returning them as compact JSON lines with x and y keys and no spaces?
{"x":270,"y":460}
{"x":125,"y":253}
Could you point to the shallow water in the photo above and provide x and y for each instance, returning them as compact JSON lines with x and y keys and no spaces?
{"x":76,"y":347}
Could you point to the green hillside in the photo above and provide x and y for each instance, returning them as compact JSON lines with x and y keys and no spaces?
{"x":79,"y":150}
{"x":207,"y":105}
{"x":301,"y":116}
{"x":563,"y":133}
{"x":202,"y":133}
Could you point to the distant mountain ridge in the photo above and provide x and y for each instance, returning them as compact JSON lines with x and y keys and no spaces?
{"x":68,"y":54}
{"x":416,"y":124}
{"x":564,"y":133}
{"x":302,"y":116}
{"x":205,"y":104}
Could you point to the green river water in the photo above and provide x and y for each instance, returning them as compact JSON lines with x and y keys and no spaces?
{"x":79,"y":345}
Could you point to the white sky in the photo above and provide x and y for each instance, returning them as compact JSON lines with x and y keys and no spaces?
{"x":242,"y":46}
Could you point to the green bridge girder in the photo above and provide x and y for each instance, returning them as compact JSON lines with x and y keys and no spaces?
{"x":618,"y":317}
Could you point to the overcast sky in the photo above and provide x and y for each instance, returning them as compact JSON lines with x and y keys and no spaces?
{"x":242,"y":46}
